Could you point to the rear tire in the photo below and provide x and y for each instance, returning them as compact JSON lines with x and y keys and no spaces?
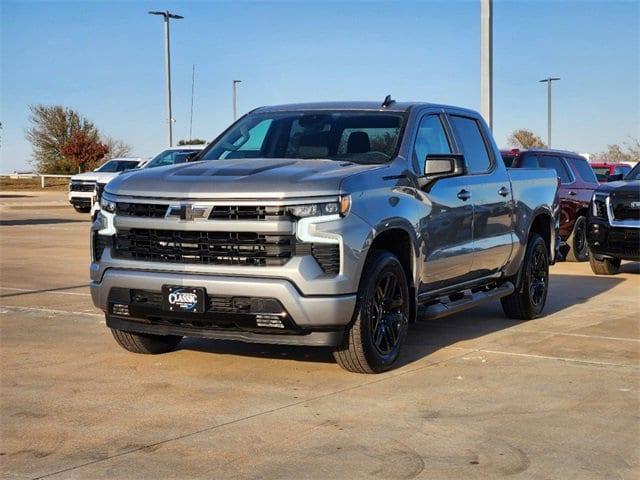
{"x":82,"y":209}
{"x":606,"y":266}
{"x":372,"y":342}
{"x":577,"y":241}
{"x":529,"y":298}
{"x":145,"y":342}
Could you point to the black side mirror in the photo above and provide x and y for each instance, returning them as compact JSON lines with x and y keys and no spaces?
{"x":615,"y":177}
{"x":443,"y":165}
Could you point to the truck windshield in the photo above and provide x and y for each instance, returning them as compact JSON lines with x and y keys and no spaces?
{"x":117,"y":166}
{"x":634,"y":174}
{"x":360,"y":137}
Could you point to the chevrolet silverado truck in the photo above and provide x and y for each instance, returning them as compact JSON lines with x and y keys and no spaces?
{"x":614,"y":224}
{"x":82,"y":186}
{"x":327,"y":224}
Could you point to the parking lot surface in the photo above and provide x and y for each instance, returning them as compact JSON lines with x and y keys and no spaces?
{"x":476,"y":395}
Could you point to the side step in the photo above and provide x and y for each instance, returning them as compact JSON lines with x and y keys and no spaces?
{"x":445,"y":306}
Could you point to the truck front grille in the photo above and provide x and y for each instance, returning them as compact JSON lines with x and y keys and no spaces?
{"x":246,"y":212}
{"x":621,"y":205}
{"x":218,"y":212}
{"x":211,"y":248}
{"x":82,"y":187}
{"x":147,"y":210}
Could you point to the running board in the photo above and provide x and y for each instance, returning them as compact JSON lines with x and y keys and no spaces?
{"x":444,"y":306}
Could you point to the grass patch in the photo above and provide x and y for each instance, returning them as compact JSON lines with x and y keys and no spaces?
{"x":15,"y":184}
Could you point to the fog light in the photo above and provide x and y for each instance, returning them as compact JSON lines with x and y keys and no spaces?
{"x":120,"y":309}
{"x":270,"y":321}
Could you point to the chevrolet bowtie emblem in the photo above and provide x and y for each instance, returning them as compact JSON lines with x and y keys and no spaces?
{"x":185,"y":212}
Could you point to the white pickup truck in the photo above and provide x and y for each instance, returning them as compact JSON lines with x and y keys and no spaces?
{"x":82,"y":186}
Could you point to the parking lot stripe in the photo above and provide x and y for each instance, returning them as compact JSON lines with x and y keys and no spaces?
{"x":562,"y":359}
{"x":47,"y":310}
{"x":54,"y":290}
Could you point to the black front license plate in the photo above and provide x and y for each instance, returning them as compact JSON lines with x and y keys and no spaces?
{"x":183,"y":299}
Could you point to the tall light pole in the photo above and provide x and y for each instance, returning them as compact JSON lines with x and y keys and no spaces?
{"x":167,"y":64}
{"x":235,"y":98}
{"x":549,"y":80}
{"x":486,"y":60}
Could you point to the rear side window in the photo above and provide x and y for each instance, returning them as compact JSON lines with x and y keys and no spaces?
{"x":556,"y":163}
{"x":530,"y":161}
{"x":584,"y":170}
{"x":473,"y":145}
{"x":431,"y":138}
{"x":621,"y":169}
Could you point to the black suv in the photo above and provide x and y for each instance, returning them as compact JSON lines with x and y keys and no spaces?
{"x":614,"y":224}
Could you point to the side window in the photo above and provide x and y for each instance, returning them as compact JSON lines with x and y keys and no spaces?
{"x":530,"y":161}
{"x":431,"y":138}
{"x":621,"y":169}
{"x":473,"y":146}
{"x":249,"y":145}
{"x":556,"y":163}
{"x":584,"y":170}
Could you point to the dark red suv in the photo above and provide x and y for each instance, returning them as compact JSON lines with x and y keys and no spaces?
{"x":577,"y":183}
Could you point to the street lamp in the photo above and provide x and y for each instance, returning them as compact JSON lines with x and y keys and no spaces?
{"x":486,"y":60}
{"x":549,"y":80}
{"x":167,"y":62}
{"x":235,"y":98}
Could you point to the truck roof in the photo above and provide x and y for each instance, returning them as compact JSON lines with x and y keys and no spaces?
{"x":371,"y":106}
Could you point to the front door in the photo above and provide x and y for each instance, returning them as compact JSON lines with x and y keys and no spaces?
{"x":446,"y":229}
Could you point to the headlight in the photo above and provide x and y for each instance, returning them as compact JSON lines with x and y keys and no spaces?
{"x":107,"y":205}
{"x":599,"y":205}
{"x":339,"y":207}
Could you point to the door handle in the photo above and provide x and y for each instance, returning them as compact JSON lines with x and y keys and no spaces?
{"x":572,"y":193}
{"x":464,"y":195}
{"x":504,"y":191}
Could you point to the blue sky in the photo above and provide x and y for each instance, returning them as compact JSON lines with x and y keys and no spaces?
{"x":105,"y":59}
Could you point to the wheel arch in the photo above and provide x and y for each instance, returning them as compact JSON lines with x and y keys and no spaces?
{"x":402,"y":242}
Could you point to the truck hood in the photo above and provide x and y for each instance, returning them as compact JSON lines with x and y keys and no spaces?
{"x":100,"y":177}
{"x":621,"y":186}
{"x":238,"y":178}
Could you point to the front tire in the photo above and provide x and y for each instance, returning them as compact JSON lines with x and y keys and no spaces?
{"x":145,"y":343}
{"x":605,"y":266}
{"x":372,"y":342}
{"x":577,"y":241}
{"x":528,"y":301}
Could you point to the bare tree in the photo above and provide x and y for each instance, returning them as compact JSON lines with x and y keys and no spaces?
{"x":116,"y":148}
{"x":628,"y":152}
{"x":525,"y":138}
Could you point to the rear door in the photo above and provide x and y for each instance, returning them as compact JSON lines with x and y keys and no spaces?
{"x":567,"y":191}
{"x":490,"y":190}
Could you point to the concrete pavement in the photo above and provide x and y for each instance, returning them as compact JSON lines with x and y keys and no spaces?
{"x":476,"y":395}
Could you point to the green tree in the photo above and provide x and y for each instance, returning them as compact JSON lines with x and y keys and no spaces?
{"x":193,"y":141}
{"x":524,"y":138}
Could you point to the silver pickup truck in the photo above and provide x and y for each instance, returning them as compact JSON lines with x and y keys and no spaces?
{"x":326,"y":224}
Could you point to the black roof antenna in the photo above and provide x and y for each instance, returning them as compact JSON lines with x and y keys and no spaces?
{"x":387,"y":101}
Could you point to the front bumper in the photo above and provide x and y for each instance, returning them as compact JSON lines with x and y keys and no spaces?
{"x":606,"y":240}
{"x":303,"y":315}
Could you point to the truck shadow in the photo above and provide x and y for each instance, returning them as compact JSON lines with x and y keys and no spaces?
{"x":428,"y":336}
